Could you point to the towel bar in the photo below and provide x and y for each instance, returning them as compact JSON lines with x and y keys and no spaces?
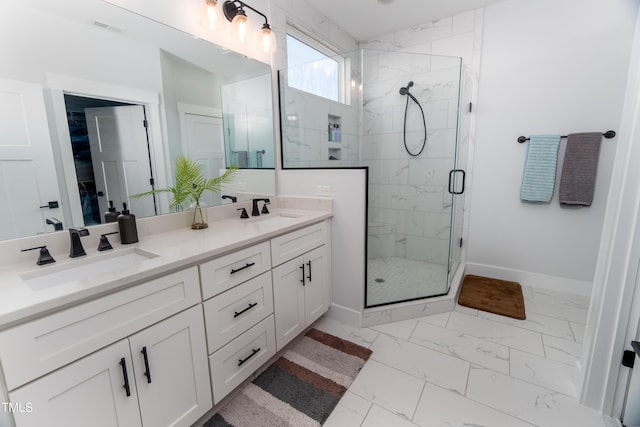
{"x":608,"y":135}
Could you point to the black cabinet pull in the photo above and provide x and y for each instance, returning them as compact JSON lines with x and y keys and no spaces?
{"x":123,"y":364}
{"x":146,"y":364}
{"x":302,"y":268}
{"x":238,"y":313}
{"x":253,"y":353}
{"x":309,"y":276}
{"x":249,"y":264}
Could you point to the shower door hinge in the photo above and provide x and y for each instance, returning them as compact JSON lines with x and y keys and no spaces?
{"x":460,"y":242}
{"x":470,"y":106}
{"x":145,"y":123}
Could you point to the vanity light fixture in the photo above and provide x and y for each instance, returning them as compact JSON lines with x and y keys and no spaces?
{"x":212,"y":13}
{"x":234,"y":12}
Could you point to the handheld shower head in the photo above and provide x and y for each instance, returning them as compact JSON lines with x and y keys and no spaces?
{"x":405,"y":89}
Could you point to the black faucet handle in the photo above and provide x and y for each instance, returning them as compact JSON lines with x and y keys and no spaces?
{"x":44,"y":257}
{"x":104,"y":244}
{"x":243,"y":214}
{"x":264,"y":207}
{"x":80,"y":231}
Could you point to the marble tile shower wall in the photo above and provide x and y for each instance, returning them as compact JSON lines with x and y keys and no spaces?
{"x":408,"y":197}
{"x":409,"y":203}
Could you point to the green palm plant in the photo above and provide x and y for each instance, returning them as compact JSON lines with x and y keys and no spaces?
{"x":190,"y":184}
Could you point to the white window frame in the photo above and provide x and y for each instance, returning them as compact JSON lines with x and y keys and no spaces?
{"x":344,"y":64}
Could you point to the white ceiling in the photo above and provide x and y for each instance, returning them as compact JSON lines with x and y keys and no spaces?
{"x":365,"y":19}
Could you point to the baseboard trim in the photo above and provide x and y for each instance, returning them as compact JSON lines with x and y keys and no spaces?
{"x":534,"y":280}
{"x":344,"y":315}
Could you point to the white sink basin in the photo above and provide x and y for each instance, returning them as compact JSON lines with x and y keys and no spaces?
{"x":86,"y":270}
{"x":273,"y":219}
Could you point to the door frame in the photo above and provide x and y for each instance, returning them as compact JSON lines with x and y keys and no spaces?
{"x":59,"y":85}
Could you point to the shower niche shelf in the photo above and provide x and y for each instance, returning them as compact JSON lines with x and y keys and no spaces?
{"x":334,"y":128}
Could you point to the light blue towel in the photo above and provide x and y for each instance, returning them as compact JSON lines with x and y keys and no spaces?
{"x":539,"y":178}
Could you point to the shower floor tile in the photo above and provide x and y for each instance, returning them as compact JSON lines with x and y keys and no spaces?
{"x":399,"y":279}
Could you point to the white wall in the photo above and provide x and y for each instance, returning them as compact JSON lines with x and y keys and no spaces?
{"x":348,"y":190}
{"x":547,"y":67}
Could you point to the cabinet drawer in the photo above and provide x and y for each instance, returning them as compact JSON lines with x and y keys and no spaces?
{"x":236,"y":361}
{"x":291,"y":245}
{"x":225,"y":272}
{"x":231,"y":313}
{"x":31,"y":350}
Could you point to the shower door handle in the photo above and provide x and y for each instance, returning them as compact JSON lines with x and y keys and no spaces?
{"x":452,"y":172}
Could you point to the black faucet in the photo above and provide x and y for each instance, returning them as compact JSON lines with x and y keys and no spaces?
{"x":232,"y":198}
{"x":76,"y":248}
{"x":44,"y":257}
{"x":255,"y":211}
{"x":57,"y":224}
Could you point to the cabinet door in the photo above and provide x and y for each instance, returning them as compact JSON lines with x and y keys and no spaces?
{"x":171,"y":370}
{"x":288,"y":300}
{"x":89,"y":392}
{"x":317,"y":289}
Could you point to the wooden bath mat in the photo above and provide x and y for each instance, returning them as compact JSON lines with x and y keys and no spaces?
{"x":492,"y":295}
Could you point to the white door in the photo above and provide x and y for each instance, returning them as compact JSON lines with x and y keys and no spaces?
{"x":202,"y":140}
{"x":89,"y":392}
{"x":289,"y":303}
{"x":316,"y":294}
{"x":172,"y":371}
{"x":27,"y":171}
{"x":120,"y":157}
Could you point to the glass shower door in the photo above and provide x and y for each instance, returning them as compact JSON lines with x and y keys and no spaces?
{"x":411,"y":208}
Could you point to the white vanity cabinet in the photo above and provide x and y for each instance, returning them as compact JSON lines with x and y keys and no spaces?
{"x":135,"y":357}
{"x":301,"y":285}
{"x":239,"y":316}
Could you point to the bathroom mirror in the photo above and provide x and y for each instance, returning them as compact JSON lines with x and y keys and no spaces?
{"x":77,"y":73}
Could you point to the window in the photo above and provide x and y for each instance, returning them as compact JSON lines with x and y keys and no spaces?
{"x":314,"y":68}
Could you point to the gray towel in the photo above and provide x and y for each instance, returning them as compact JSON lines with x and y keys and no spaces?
{"x":578,"y":179}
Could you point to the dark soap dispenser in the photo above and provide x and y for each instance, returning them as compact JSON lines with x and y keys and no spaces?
{"x":127,"y":225}
{"x":112,"y":214}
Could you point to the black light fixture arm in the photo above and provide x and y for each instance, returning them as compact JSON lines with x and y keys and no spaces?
{"x":231,"y":10}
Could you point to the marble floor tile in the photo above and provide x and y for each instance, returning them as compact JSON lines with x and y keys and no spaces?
{"x":361,"y":336}
{"x":579,"y":301}
{"x":351,"y":411}
{"x":379,"y":417}
{"x":440,"y":319}
{"x":422,"y":363}
{"x":442,"y":408}
{"x":535,"y":322}
{"x":402,"y":329}
{"x":390,"y":388}
{"x":528,"y":402}
{"x":578,"y":331}
{"x":496,"y":332}
{"x":555,"y":309}
{"x":471,"y":349}
{"x":543,"y":372}
{"x":527,"y":291}
{"x":560,"y":350}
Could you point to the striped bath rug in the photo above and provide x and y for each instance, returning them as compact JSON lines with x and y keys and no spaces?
{"x":301,"y":388}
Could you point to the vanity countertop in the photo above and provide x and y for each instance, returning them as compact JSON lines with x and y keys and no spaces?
{"x":175,"y":249}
